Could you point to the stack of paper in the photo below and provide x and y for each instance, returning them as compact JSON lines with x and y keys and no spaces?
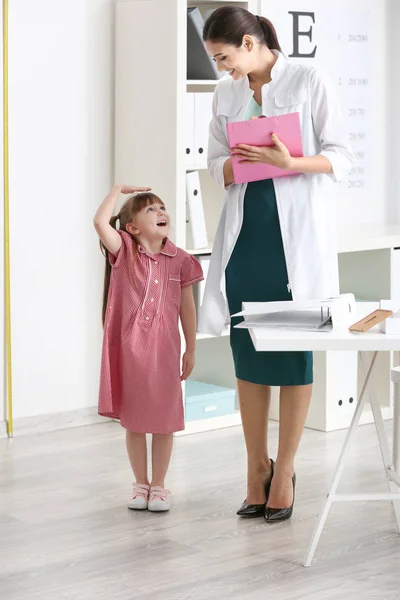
{"x":309,"y":315}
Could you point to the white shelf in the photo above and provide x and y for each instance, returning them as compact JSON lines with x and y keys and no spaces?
{"x":364,"y":239}
{"x":234,"y":420}
{"x":216,"y":2}
{"x":210,"y":424}
{"x":196,"y":168}
{"x":200,"y":251}
{"x":368,"y":237}
{"x":202,"y":82}
{"x":214,"y":360}
{"x":206,"y":336}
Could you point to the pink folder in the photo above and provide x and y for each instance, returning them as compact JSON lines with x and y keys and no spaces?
{"x":257,"y":132}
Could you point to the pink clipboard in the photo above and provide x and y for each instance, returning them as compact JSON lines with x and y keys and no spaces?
{"x":257,"y":132}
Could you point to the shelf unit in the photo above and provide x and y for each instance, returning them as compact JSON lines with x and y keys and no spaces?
{"x":206,"y":83}
{"x":150,"y":150}
{"x":150,"y":105}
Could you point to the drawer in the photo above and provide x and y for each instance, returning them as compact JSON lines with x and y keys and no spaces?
{"x":204,"y":401}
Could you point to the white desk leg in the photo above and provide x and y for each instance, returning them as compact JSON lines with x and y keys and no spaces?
{"x":339,"y":467}
{"x":396,"y":428}
{"x":383,"y":443}
{"x":396,"y":444}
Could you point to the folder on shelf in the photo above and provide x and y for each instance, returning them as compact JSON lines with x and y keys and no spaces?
{"x":202,"y":117}
{"x":190,"y":120}
{"x":199,"y":64}
{"x":200,"y":287}
{"x":196,"y":211}
{"x":257,"y":132}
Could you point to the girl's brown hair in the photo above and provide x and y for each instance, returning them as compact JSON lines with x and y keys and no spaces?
{"x":229,"y":24}
{"x":126,"y":215}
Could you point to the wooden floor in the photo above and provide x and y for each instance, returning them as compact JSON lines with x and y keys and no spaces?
{"x":65,"y":532}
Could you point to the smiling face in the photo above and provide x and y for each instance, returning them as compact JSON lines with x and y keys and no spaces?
{"x":152,"y":223}
{"x":238,"y":62}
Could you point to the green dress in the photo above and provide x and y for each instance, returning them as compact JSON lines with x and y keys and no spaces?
{"x":257,"y":272}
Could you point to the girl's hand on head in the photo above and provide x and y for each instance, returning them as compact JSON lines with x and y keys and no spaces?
{"x":132,"y":189}
{"x":277,"y":156}
{"x":188,"y":361}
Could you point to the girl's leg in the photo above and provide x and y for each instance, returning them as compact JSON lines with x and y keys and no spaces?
{"x":137,"y":452}
{"x":293,"y":408}
{"x":161,"y":456}
{"x":254,"y":403}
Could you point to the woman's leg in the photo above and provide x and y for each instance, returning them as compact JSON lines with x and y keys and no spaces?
{"x":137,"y":453}
{"x":161,"y":456}
{"x":293,"y":408}
{"x":254,"y":401}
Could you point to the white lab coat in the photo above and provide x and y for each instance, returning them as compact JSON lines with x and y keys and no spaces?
{"x":304,"y":201}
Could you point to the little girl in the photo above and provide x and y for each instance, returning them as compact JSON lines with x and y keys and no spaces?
{"x":147,"y":287}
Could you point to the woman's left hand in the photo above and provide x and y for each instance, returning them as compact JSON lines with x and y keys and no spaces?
{"x":277,"y":156}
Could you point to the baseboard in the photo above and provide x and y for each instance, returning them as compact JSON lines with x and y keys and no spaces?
{"x":53,"y":422}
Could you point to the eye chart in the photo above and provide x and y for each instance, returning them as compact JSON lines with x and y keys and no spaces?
{"x":339,"y":40}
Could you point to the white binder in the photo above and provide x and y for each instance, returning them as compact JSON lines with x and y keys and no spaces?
{"x":202,"y":118}
{"x":196,"y":211}
{"x":396,"y":275}
{"x":190,"y":119}
{"x":205,"y":264}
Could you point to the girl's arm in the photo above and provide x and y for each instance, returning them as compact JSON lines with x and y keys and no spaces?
{"x":108,"y":235}
{"x":188,"y":320}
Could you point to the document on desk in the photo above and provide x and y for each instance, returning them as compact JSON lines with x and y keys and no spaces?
{"x":308,"y":315}
{"x":298,"y":320}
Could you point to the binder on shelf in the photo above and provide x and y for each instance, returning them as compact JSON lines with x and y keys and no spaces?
{"x":396,"y":275}
{"x":190,"y":120}
{"x":202,"y":118}
{"x":196,"y":211}
{"x":199,"y":64}
{"x":200,"y":287}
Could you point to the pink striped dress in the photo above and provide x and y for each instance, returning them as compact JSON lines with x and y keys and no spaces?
{"x":141,"y":359}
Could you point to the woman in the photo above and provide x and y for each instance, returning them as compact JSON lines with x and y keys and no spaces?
{"x":275,"y":240}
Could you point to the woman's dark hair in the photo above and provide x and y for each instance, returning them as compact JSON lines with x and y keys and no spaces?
{"x":229,"y":24}
{"x":126,"y":215}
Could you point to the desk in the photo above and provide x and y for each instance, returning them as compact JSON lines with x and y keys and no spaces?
{"x":273,"y":339}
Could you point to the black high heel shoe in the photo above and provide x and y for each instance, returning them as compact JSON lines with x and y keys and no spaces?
{"x":273,"y":515}
{"x":257,"y":510}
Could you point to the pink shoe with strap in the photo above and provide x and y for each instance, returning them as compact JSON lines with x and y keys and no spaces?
{"x":140,"y":497}
{"x":158,"y":501}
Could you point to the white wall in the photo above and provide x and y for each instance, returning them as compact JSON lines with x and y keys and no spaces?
{"x":61,"y":115}
{"x":393,"y":113}
{"x":2,"y":389}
